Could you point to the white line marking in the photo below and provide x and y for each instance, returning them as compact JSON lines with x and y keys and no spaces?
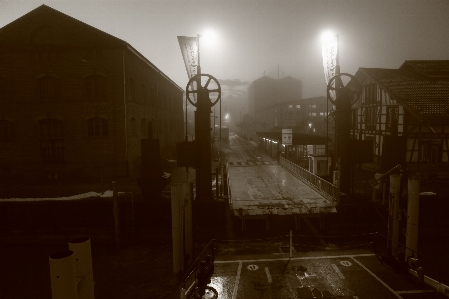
{"x":338,"y":271}
{"x":268,"y":275}
{"x":377,"y":278}
{"x":237,"y":279}
{"x":295,"y":258}
{"x":416,"y":291}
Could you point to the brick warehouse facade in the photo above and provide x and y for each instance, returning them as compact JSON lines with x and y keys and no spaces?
{"x":76,"y":101}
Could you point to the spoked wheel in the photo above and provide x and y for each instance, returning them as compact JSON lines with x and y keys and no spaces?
{"x":211,"y":293}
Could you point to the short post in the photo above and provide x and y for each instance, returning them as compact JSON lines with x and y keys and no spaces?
{"x":291,"y":243}
{"x":188,"y":226}
{"x":217,"y":187}
{"x":177,"y":230}
{"x":393,"y":210}
{"x":83,"y":262}
{"x":411,"y":241}
{"x":182,"y":293}
{"x":116,"y":212}
{"x":63,"y":275}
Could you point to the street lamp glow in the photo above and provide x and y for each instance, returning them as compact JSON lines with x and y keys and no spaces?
{"x":209,"y":38}
{"x":328,"y":37}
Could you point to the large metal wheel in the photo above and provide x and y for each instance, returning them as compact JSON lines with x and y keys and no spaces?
{"x":211,"y":293}
{"x":356,"y":92}
{"x":197,"y":78}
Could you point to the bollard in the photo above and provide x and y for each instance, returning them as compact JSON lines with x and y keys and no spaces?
{"x":83,"y":261}
{"x":63,"y":275}
{"x":291,"y":243}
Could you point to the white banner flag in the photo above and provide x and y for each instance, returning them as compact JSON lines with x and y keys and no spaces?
{"x":330,"y":63}
{"x":189,"y":50}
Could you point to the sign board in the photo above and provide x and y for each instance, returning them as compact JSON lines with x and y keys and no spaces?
{"x":287,"y":136}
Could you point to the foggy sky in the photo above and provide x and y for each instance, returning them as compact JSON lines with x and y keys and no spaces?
{"x":254,"y":37}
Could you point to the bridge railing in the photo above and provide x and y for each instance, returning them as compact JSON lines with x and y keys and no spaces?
{"x":324,"y":187}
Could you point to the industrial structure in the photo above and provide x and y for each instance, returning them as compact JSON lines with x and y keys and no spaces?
{"x":76,"y":101}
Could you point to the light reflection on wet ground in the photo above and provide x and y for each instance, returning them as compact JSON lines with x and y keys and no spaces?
{"x":348,"y":276}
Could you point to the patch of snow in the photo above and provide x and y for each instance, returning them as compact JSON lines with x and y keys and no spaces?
{"x":107,"y":193}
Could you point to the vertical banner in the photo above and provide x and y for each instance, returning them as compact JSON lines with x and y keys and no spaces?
{"x":330,"y":63}
{"x":189,"y":50}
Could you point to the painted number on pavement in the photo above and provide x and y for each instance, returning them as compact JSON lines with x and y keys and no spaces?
{"x":252,"y":267}
{"x":346,"y":263}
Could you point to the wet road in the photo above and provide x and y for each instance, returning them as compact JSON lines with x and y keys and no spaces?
{"x":356,"y":275}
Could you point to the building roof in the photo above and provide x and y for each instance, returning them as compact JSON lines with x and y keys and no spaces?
{"x":430,"y":69}
{"x":426,"y":99}
{"x":8,"y":35}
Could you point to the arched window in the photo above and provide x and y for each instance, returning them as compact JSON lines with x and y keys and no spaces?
{"x":97,"y":127}
{"x":133,"y":126}
{"x":6,"y":130}
{"x":96,"y":88}
{"x":48,"y":88}
{"x":144,"y":127}
{"x":51,"y":133}
{"x":51,"y":129}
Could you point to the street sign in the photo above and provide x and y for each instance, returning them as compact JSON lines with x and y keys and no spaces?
{"x":287,"y":136}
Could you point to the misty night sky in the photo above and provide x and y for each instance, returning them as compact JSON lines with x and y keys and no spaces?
{"x":253,"y":37}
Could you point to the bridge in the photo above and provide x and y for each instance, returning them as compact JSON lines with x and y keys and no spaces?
{"x":262,"y":188}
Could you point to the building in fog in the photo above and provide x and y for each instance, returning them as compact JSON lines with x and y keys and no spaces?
{"x":266,"y":92}
{"x":76,"y":101}
{"x":405,"y":112}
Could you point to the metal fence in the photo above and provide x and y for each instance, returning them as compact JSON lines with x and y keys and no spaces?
{"x":188,"y":281}
{"x":324,"y":187}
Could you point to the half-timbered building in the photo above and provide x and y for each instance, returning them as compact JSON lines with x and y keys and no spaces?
{"x":405,"y":112}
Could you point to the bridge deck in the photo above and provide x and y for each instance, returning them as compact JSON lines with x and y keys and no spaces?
{"x":258,"y":189}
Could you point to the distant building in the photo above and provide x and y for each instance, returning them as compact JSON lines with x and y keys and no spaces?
{"x":76,"y":101}
{"x":412,"y":103}
{"x":266,"y":92}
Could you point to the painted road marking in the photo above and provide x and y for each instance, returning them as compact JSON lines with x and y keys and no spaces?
{"x":237,"y":279}
{"x":377,"y":278}
{"x":268,"y":275}
{"x":346,"y":263}
{"x":338,"y":271}
{"x":296,"y":258}
{"x":252,"y":267}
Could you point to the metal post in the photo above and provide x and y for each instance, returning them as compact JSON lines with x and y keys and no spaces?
{"x":412,"y":216}
{"x":82,"y":254}
{"x":177,"y":230}
{"x":63,"y":275}
{"x":116,"y":212}
{"x":188,"y":231}
{"x":393,"y":210}
{"x":291,"y":243}
{"x":217,"y":187}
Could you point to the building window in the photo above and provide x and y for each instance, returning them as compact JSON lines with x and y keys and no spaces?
{"x":370,"y":118}
{"x":51,"y":141}
{"x":144,"y":127}
{"x":132,"y":90}
{"x":370,"y":93}
{"x":3,"y":89}
{"x":97,"y":127}
{"x":312,"y":113}
{"x":6,"y":130}
{"x":152,"y":98}
{"x":298,"y":106}
{"x":392,"y":114}
{"x":290,"y":106}
{"x":430,"y":152}
{"x":133,"y":126}
{"x":48,"y":88}
{"x":312,"y":106}
{"x":96,"y":88}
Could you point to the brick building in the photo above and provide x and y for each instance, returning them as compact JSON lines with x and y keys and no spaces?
{"x":76,"y":101}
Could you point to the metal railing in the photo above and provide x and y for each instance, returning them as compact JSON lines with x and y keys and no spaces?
{"x":188,"y":281}
{"x":324,"y":187}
